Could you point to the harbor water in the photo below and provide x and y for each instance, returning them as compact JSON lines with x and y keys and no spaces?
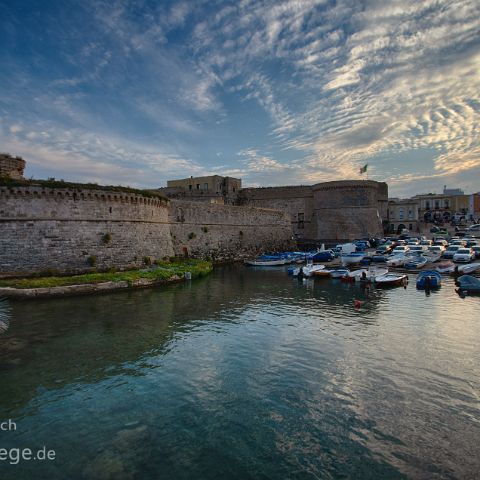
{"x":244,"y":374}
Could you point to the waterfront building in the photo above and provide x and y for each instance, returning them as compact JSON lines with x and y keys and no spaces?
{"x":403,"y":214}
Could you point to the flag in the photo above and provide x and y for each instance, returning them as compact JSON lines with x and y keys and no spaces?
{"x":363,"y":169}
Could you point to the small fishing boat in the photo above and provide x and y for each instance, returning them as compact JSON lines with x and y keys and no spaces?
{"x":354,"y":275}
{"x":432,"y":257}
{"x":469,"y":268}
{"x":397,"y":260}
{"x":339,"y":273}
{"x":468,"y":284}
{"x":374,"y":272}
{"x":391,"y":280}
{"x":429,"y":278}
{"x":445,"y":267}
{"x":352,"y":258}
{"x":415,"y":262}
{"x":324,"y":272}
{"x":265,"y":263}
{"x":310,"y":269}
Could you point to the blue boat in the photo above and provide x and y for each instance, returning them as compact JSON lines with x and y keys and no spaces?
{"x":418,"y":261}
{"x":323,"y":256}
{"x":469,"y":284}
{"x":429,"y":277}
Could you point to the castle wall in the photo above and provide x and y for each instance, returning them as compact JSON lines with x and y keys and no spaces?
{"x":59,"y":229}
{"x":11,"y":167}
{"x":227,"y":232}
{"x":348,"y":209}
{"x":62,"y":229}
{"x":296,"y":201}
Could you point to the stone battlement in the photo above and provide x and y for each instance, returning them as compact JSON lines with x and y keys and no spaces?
{"x":11,"y":167}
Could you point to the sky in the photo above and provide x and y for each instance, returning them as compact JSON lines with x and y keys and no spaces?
{"x":275,"y":92}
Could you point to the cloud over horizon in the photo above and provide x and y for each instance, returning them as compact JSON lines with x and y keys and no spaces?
{"x":290,"y":92}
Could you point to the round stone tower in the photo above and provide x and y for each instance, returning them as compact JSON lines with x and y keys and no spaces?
{"x":11,"y":167}
{"x":348,"y":209}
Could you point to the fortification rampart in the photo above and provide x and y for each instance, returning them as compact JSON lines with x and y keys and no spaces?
{"x":73,"y":230}
{"x":347,"y":209}
{"x":225,"y":232}
{"x":295,"y":200}
{"x":11,"y":167}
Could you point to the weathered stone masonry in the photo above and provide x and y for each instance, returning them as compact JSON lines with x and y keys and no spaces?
{"x":223,"y":231}
{"x":64,"y":229}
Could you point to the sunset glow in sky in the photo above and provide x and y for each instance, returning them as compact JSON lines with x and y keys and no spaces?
{"x":275,"y":92}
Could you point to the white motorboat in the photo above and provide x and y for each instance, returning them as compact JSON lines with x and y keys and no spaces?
{"x":469,"y":268}
{"x":308,"y":270}
{"x":397,"y":260}
{"x":391,"y":280}
{"x":374,"y":272}
{"x":265,"y":263}
{"x":356,"y":275}
{"x":351,"y":258}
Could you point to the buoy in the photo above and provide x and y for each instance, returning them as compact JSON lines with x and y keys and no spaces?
{"x":357,"y":303}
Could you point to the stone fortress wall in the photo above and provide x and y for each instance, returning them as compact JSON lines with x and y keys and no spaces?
{"x":71,"y":230}
{"x":11,"y":167}
{"x":227,"y":232}
{"x":296,"y":201}
{"x":348,"y":209}
{"x":330,"y":211}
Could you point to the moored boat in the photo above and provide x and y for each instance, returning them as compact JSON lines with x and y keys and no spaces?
{"x":310,"y":269}
{"x":265,"y":262}
{"x":445,"y":267}
{"x":339,"y":272}
{"x":469,"y":268}
{"x":468,"y":284}
{"x":397,"y":260}
{"x":391,"y":280}
{"x":352,"y":258}
{"x":324,"y":272}
{"x":415,"y":262}
{"x":429,"y":279}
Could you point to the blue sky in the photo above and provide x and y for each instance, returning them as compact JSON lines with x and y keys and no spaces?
{"x":275,"y":92}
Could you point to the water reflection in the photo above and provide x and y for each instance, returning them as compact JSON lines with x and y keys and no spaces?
{"x":244,"y":374}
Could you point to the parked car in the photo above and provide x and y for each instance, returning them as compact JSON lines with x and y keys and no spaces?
{"x":464,"y":255}
{"x":451,"y":251}
{"x":418,"y":249}
{"x":461,"y":243}
{"x":434,"y":229}
{"x":471,"y":242}
{"x":441,"y":241}
{"x":426,"y":242}
{"x":474,"y":228}
{"x":436,"y":249}
{"x":384,"y":249}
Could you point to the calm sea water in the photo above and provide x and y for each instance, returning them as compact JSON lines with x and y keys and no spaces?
{"x":246,"y":374}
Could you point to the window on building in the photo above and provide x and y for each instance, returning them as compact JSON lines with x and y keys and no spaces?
{"x":437,"y":204}
{"x":198,"y":186}
{"x":427,"y":206}
{"x":400,"y":214}
{"x":446,"y":204}
{"x":410,"y":214}
{"x":410,"y":226}
{"x":190,"y":187}
{"x":301,"y":220}
{"x":205,"y":186}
